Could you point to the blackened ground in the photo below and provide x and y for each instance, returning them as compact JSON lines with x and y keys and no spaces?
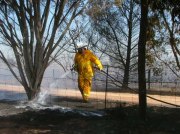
{"x":120,"y":120}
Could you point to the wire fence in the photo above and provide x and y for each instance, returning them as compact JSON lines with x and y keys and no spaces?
{"x":60,"y":88}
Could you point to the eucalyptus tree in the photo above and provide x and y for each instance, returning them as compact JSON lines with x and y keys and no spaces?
{"x":118,"y":26}
{"x":164,"y":30}
{"x":35,"y":32}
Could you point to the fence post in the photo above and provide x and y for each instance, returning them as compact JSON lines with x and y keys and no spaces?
{"x":106,"y":85}
{"x":149,"y":77}
{"x":53,"y":73}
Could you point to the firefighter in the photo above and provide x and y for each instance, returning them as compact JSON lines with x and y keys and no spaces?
{"x":84,"y":63}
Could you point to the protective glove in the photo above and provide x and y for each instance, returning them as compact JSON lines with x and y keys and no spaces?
{"x":100,"y":68}
{"x":74,"y":68}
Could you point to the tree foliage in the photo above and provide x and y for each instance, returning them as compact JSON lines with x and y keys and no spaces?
{"x":118,"y":28}
{"x":164,"y":27}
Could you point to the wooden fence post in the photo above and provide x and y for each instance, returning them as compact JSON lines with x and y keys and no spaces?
{"x":106,"y":86}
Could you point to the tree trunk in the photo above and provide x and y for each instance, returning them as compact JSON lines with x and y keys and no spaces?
{"x":141,"y":60}
{"x":33,"y":89}
{"x":32,"y":93}
{"x":127,"y":65}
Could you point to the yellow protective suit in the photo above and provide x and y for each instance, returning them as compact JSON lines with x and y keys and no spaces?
{"x":84,"y":65}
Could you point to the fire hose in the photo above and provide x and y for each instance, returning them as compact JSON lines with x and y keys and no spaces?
{"x":102,"y":71}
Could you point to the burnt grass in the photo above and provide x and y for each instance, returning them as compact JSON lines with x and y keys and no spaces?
{"x":119,"y":120}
